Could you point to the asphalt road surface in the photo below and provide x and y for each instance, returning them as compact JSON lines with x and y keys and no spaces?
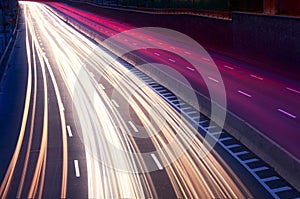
{"x":85,"y":127}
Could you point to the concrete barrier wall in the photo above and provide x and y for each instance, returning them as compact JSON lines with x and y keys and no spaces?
{"x":207,"y":31}
{"x":265,"y":148}
{"x":272,"y":40}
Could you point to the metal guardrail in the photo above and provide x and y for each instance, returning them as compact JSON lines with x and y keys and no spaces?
{"x":210,"y":13}
{"x":221,"y":14}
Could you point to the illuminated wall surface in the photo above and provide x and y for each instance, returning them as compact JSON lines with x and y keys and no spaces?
{"x":282,"y":7}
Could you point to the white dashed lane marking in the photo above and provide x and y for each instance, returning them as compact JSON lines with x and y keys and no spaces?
{"x":244,"y":93}
{"x":229,"y":67}
{"x":191,"y":69}
{"x":156,"y":161}
{"x":287,"y":113}
{"x":101,"y":85}
{"x":293,"y":90}
{"x":212,"y":79}
{"x":172,"y":60}
{"x":69,"y":131}
{"x":133,"y":126}
{"x":77,"y":171}
{"x":256,"y":77}
{"x":206,"y":59}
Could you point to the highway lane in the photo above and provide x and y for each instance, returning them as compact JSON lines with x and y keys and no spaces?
{"x":26,"y":175}
{"x":13,"y":91}
{"x":266,"y":100}
{"x":184,"y":186}
{"x":101,"y":129}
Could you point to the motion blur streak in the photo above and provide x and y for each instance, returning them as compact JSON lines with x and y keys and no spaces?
{"x":43,"y":151}
{"x":39,"y":174}
{"x":69,"y":63}
{"x":37,"y":182}
{"x":103,"y":128}
{"x":273,"y":91}
{"x":20,"y":189}
{"x":8,"y":176}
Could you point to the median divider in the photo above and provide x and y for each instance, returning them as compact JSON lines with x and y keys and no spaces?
{"x":284,"y":163}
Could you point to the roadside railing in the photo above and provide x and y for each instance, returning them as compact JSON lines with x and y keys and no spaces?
{"x":220,"y":14}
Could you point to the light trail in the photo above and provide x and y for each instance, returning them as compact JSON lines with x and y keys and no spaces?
{"x":5,"y":185}
{"x":104,"y":128}
{"x":129,"y":189}
{"x":24,"y":171}
{"x":215,"y":182}
{"x":37,"y":183}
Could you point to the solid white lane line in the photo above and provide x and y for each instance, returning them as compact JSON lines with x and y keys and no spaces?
{"x":206,"y":59}
{"x":190,"y":68}
{"x":115,"y":103}
{"x":77,"y":171}
{"x":69,"y":131}
{"x":257,"y":77}
{"x":62,"y":106}
{"x":231,"y":68}
{"x":157,"y":54}
{"x":172,"y":60}
{"x":243,"y":93}
{"x":287,"y":113}
{"x":212,"y":79}
{"x":101,"y":85}
{"x":133,"y":126}
{"x":156,"y":161}
{"x":293,"y":90}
